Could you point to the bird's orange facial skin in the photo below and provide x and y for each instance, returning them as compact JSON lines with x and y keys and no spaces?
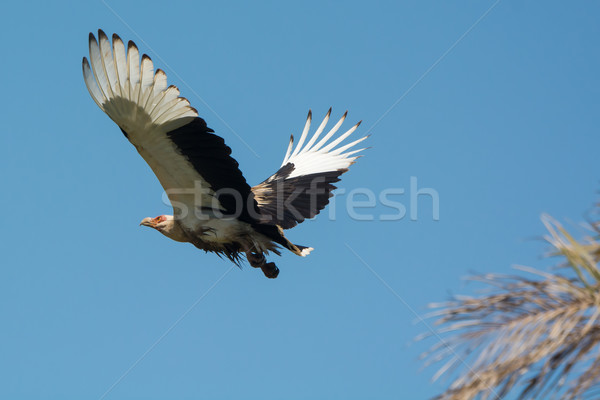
{"x":153,"y":222}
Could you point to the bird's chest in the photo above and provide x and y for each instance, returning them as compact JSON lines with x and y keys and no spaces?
{"x":217,"y":230}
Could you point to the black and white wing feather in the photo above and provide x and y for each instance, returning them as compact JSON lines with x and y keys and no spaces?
{"x":304,"y":183}
{"x":191,"y":162}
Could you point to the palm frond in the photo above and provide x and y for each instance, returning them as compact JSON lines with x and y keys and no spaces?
{"x":540,"y":331}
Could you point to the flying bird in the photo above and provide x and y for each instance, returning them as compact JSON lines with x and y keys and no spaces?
{"x":214,"y":208}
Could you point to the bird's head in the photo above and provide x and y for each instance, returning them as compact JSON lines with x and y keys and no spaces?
{"x":159,"y":223}
{"x":166,"y":225}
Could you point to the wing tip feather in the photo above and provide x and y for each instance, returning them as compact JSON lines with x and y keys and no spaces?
{"x":132,"y":67}
{"x":131,"y":45}
{"x":102,"y":35}
{"x":326,"y":155}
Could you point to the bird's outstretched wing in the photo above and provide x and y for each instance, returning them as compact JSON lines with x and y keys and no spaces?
{"x":193,"y":164}
{"x":304,"y":183}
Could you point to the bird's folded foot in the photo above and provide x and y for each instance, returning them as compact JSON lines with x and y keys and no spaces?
{"x":257,"y":260}
{"x":270,"y":270}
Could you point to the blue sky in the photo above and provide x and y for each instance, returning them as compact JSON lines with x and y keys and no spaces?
{"x":503,"y":128}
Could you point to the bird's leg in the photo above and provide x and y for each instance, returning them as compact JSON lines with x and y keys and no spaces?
{"x":258,"y":260}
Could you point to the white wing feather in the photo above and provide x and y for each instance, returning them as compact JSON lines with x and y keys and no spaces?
{"x":322,"y":156}
{"x":123,"y":88}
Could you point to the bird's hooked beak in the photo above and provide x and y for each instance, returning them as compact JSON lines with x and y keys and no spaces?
{"x":148,"y":222}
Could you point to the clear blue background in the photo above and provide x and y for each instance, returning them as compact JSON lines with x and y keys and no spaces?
{"x":505,"y":128}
